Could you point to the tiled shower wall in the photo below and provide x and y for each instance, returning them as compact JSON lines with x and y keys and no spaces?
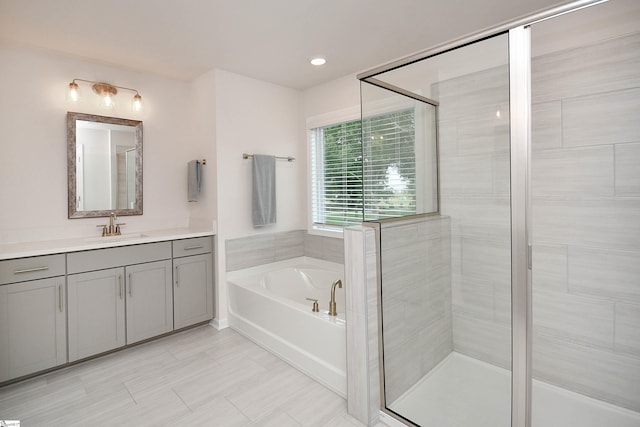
{"x":586,"y":219}
{"x":416,"y":300}
{"x":474,"y":193}
{"x":586,"y":216}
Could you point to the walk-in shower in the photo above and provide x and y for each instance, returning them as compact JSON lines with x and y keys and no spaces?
{"x":514,"y":300}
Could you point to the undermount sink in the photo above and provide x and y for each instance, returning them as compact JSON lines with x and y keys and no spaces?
{"x":119,"y":238}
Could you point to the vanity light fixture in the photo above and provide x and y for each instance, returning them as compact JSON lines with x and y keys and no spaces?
{"x":106,"y":91}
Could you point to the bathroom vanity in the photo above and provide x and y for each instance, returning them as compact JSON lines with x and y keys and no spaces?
{"x":65,"y":301}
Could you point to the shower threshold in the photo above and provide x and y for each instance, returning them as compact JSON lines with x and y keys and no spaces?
{"x":463,"y":391}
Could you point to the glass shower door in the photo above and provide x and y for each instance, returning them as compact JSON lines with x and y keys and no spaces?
{"x":446,"y":277}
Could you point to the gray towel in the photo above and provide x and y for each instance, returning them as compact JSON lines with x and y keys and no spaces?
{"x":264,"y":190}
{"x":194,"y":179}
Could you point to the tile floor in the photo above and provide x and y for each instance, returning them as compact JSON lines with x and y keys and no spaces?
{"x":199,"y":377}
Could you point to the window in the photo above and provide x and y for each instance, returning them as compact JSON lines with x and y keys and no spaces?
{"x":351,"y":181}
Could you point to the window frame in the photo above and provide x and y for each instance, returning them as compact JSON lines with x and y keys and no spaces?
{"x":318,"y":121}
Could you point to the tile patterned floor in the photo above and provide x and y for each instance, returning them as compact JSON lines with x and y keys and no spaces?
{"x":199,"y":377}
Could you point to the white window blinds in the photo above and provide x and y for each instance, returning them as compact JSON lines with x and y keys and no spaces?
{"x":387,"y":160}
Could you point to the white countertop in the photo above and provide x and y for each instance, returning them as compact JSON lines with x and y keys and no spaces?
{"x":48,"y":247}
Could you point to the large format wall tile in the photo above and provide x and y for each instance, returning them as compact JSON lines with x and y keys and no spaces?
{"x":546,"y":125}
{"x":484,"y":340}
{"x":606,"y":118}
{"x":473,"y":96}
{"x":611,"y":223}
{"x":250,"y":251}
{"x":586,"y":220}
{"x":473,"y":298}
{"x":289,"y":244}
{"x":416,"y":300}
{"x":246,"y":252}
{"x":573,"y":173}
{"x":486,"y":259}
{"x":605,"y":273}
{"x":585,"y":213}
{"x":627,"y":336}
{"x":326,"y":248}
{"x":627,"y":166}
{"x":550,"y":267}
{"x":602,"y":374}
{"x":486,"y":135}
{"x":580,"y":319}
{"x":479,"y":217}
{"x":599,"y":68}
{"x":467,"y":175}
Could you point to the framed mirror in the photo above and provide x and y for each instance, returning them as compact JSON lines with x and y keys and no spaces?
{"x":104,"y":166}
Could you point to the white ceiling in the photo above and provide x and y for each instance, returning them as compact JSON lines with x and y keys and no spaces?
{"x":270,"y":40}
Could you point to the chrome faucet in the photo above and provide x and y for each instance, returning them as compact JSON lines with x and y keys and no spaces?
{"x":332,"y":303}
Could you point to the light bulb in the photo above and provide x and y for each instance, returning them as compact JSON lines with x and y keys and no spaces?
{"x":136,"y":104}
{"x":74,"y":95}
{"x":107,"y":101}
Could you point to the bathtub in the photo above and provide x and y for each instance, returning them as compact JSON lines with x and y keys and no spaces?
{"x":268,"y":305}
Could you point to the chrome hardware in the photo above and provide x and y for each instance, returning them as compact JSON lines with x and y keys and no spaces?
{"x":315,"y":308}
{"x":332,"y":304}
{"x":30,"y":270}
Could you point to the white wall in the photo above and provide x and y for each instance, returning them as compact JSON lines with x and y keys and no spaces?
{"x":33,"y":143}
{"x":203,"y":144}
{"x":255,"y":117}
{"x":336,"y":95}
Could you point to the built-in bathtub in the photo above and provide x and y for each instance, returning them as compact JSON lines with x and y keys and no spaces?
{"x":268,"y":305}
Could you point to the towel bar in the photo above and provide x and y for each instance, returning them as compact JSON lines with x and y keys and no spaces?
{"x":288,"y":158}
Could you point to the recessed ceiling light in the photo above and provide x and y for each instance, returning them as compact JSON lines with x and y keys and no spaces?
{"x":318,"y":60}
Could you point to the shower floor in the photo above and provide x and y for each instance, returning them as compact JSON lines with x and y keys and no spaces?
{"x":462,"y":391}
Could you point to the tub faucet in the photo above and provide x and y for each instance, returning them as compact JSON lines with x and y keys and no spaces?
{"x":332,"y":303}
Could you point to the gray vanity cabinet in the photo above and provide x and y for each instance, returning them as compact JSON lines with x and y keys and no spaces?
{"x":61,"y":308}
{"x":149,"y":300}
{"x":193,"y":278}
{"x":118,"y":296}
{"x":32,"y":315}
{"x":96,"y":312}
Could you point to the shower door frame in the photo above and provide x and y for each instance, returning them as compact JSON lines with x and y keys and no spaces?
{"x":520,"y":196}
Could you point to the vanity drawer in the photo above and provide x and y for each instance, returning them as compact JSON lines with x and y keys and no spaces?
{"x":39,"y":267}
{"x":101,"y":259}
{"x":195,"y":246}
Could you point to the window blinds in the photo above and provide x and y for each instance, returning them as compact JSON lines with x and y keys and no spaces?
{"x":363,"y":169}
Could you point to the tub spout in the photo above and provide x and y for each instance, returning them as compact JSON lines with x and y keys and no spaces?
{"x":332,"y":304}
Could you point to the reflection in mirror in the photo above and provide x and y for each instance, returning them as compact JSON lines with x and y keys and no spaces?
{"x":104,"y":165}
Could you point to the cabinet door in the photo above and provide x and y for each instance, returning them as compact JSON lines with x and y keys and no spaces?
{"x":193,"y":290}
{"x":96,"y":312}
{"x":149,"y":300}
{"x":32,"y":327}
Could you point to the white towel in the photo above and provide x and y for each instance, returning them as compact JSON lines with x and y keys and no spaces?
{"x":194,"y":180}
{"x":264,"y":190}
